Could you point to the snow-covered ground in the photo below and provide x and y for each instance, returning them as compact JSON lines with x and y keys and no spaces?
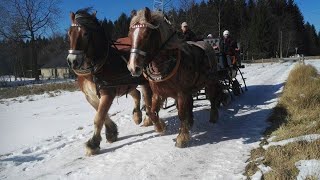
{"x":44,"y":138}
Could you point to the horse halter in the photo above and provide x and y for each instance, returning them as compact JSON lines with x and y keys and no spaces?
{"x":135,"y":50}
{"x":143,"y":53}
{"x":72,"y":51}
{"x":94,"y":67}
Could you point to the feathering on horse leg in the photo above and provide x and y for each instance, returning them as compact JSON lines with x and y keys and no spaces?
{"x":137,"y":114}
{"x":93,"y":144}
{"x":111,"y":130}
{"x":185,"y":116}
{"x":147,"y":98}
{"x":159,"y":125}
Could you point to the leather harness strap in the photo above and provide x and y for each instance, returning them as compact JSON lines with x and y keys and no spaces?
{"x":151,"y":76}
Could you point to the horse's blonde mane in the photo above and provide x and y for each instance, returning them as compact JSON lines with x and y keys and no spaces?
{"x":158,"y":21}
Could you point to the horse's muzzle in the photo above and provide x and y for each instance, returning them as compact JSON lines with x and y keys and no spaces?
{"x":133,"y":66}
{"x":73,"y":60}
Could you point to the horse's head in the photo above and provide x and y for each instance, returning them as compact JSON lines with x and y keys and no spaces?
{"x":87,"y":41}
{"x":148,"y":32}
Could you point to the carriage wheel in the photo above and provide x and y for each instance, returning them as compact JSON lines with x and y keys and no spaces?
{"x":236,"y":88}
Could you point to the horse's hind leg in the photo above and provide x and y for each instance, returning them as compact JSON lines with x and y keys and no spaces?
{"x":137,"y":114}
{"x":93,"y":144}
{"x":147,"y":98}
{"x":214,"y":91}
{"x":185,"y":106}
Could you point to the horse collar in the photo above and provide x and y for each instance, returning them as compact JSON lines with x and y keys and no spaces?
{"x":166,"y":74}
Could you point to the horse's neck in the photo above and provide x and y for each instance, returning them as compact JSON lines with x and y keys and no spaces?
{"x":162,"y":61}
{"x":173,"y":43}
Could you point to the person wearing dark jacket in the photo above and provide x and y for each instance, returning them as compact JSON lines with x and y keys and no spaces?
{"x":228,"y":48}
{"x":188,"y":35}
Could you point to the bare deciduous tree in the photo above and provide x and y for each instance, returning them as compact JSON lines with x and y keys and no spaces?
{"x":191,"y":15}
{"x":28,"y":19}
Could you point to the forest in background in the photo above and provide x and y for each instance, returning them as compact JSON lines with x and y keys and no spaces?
{"x":264,"y":29}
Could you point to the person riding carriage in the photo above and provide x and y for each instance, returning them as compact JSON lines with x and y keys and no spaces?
{"x":229,"y":50}
{"x":187,"y":34}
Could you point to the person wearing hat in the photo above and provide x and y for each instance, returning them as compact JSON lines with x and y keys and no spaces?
{"x":188,"y":35}
{"x":228,"y":48}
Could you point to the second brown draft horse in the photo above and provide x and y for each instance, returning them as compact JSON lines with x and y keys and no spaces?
{"x":174,"y":69}
{"x":102,"y":74}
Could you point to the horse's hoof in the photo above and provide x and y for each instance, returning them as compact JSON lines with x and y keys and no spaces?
{"x":92,"y":151}
{"x":137,"y":117}
{"x":181,"y":144}
{"x":93,"y":145}
{"x":147,"y":122}
{"x":182,"y":140}
{"x":160,"y":127}
{"x":112,"y":138}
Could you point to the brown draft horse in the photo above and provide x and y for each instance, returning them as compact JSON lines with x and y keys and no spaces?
{"x":174,"y":69}
{"x":102,"y":75}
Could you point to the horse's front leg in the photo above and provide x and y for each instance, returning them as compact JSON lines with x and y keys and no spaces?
{"x":159,"y":125}
{"x":185,"y":106}
{"x":147,"y":98}
{"x":93,"y":144}
{"x":137,"y":114}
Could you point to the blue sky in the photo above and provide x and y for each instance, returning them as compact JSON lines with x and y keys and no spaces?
{"x":111,"y":9}
{"x":311,"y":11}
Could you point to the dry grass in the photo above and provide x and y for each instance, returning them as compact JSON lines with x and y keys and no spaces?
{"x":297,"y":114}
{"x":13,"y":92}
{"x":301,"y":98}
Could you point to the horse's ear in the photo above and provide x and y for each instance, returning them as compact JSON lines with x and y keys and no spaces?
{"x":147,"y":14}
{"x":133,"y":13}
{"x":72,"y":16}
{"x":94,"y":13}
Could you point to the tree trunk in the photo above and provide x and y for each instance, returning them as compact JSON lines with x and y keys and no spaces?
{"x":34,"y":58}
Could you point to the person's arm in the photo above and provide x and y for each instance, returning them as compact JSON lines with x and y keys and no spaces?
{"x":193,"y":36}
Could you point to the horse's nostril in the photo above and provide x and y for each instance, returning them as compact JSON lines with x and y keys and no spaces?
{"x":75,"y":63}
{"x":137,"y":69}
{"x":69,"y":63}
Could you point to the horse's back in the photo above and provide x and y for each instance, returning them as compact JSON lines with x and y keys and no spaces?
{"x":206,"y":47}
{"x":207,"y":58}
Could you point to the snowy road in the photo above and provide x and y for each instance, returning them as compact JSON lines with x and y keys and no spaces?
{"x":44,"y":138}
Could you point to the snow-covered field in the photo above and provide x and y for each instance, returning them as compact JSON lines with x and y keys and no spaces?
{"x":44,"y":138}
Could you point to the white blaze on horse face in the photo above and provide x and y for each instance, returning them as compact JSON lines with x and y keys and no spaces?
{"x":134,"y":56}
{"x":135,"y":37}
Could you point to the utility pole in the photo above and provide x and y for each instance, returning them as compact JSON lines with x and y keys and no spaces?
{"x":158,"y":5}
{"x":280,"y":44}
